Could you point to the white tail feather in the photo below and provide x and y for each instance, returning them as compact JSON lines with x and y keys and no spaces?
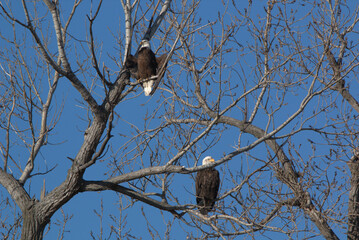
{"x":147,"y":87}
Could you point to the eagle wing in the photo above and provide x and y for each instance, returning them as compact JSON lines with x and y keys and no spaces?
{"x":161,"y":63}
{"x":161,"y":60}
{"x":207,"y":185}
{"x":131,"y":64}
{"x":215,"y":185}
{"x":199,"y":187}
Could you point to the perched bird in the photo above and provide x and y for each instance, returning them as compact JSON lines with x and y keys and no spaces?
{"x":207,"y":185}
{"x":146,"y":66}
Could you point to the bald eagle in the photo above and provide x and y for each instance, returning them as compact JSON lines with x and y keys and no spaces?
{"x":146,"y":66}
{"x":207,"y":184}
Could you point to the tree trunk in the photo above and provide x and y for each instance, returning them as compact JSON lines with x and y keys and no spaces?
{"x":32,"y":226}
{"x":353,"y":206}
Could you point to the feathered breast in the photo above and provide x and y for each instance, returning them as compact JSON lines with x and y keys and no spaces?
{"x":147,"y":64}
{"x":207,"y":184}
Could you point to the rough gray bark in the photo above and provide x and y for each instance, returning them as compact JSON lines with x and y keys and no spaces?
{"x":353,"y":206}
{"x":32,"y":226}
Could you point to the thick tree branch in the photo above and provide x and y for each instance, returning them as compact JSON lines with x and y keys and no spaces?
{"x":353,"y":206}
{"x":154,"y":26}
{"x":104,"y":185}
{"x":15,"y":189}
{"x":86,"y":95}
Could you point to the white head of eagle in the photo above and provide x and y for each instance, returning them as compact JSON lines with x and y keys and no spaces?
{"x":207,"y":160}
{"x":145,"y":44}
{"x":207,"y":185}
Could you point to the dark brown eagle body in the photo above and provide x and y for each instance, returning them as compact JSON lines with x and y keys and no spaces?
{"x":146,"y":66}
{"x":207,"y":185}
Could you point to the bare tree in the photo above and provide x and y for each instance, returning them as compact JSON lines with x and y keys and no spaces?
{"x":269,"y":88}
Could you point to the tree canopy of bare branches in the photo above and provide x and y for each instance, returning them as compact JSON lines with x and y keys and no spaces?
{"x":267,"y":88}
